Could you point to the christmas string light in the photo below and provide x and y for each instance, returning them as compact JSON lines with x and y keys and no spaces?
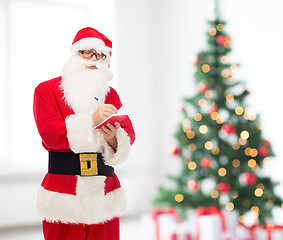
{"x":208,"y":145}
{"x":254,"y":209}
{"x":208,"y":94}
{"x":230,"y":206}
{"x":198,"y":117}
{"x":215,"y":150}
{"x":192,"y":147}
{"x":241,"y":219}
{"x":239,"y":110}
{"x":233,"y":67}
{"x":201,"y":102}
{"x":235,"y":195}
{"x":203,"y":129}
{"x":244,"y":134}
{"x":191,"y":134}
{"x":253,"y":152}
{"x":224,"y":60}
{"x":186,"y":122}
{"x":247,"y":151}
{"x":258,"y":192}
{"x":187,"y":129}
{"x":192,"y":165}
{"x":220,"y":27}
{"x":205,"y":68}
{"x":227,"y":42}
{"x":222,"y":172}
{"x":229,"y":98}
{"x":252,"y":163}
{"x":215,"y":194}
{"x":212,"y":31}
{"x":214,"y":115}
{"x":236,"y":146}
{"x":179,"y":197}
{"x":236,"y":163}
{"x":219,"y":121}
{"x":242,"y":141}
{"x":260,"y":185}
{"x":265,"y":160}
{"x":225,"y":73}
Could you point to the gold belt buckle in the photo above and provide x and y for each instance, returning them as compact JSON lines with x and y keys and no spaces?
{"x":88,"y":162}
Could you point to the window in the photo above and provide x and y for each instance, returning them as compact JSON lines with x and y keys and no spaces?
{"x":35,"y":42}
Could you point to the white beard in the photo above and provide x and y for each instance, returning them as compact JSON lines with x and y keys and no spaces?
{"x":81,"y":85}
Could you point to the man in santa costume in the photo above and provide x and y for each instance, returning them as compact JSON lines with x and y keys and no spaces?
{"x":81,"y":197}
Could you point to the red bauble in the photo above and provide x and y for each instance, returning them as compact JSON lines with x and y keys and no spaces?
{"x":263,"y":151}
{"x":206,"y":162}
{"x":213,"y":109}
{"x":223,"y":187}
{"x":228,"y":129}
{"x":266,"y":143}
{"x":181,"y":108}
{"x":202,"y":87}
{"x":198,"y":60}
{"x":193,"y":186}
{"x":174,"y":151}
{"x":221,"y":39}
{"x":248,"y":178}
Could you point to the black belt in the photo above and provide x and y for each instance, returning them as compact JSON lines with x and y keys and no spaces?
{"x":84,"y":164}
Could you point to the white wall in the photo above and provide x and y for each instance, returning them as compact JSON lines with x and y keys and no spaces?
{"x":156,"y":44}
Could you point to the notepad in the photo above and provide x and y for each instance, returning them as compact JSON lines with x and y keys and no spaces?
{"x":120,"y":118}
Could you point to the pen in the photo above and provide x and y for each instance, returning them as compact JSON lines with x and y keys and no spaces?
{"x":97,"y":99}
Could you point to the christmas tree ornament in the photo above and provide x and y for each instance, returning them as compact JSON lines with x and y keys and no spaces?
{"x":228,"y":129}
{"x":220,"y":39}
{"x":193,"y":185}
{"x":174,"y":151}
{"x":263,"y":151}
{"x":202,"y":87}
{"x":206,"y":162}
{"x":213,"y":109}
{"x":224,"y":187}
{"x":248,"y":178}
{"x":197,"y":60}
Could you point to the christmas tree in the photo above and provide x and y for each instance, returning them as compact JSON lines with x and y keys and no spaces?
{"x":220,"y":142}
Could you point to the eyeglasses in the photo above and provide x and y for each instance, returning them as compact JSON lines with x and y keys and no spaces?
{"x":89,"y":54}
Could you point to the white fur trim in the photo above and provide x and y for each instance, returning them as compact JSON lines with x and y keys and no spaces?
{"x":81,"y":135}
{"x":89,"y":206}
{"x":89,"y":43}
{"x":112,"y":158}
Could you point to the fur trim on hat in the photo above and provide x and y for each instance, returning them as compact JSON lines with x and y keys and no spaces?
{"x":89,"y":43}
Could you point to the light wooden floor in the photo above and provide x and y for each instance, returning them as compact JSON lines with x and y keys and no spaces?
{"x":129,"y":230}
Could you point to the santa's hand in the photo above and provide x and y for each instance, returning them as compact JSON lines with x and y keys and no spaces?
{"x":109,"y":134}
{"x":103,"y":112}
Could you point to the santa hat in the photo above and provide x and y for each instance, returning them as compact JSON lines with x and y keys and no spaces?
{"x":88,"y":38}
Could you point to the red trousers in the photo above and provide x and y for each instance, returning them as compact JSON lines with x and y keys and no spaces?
{"x":60,"y":231}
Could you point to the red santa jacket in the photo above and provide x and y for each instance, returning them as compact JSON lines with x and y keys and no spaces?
{"x":72,"y":198}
